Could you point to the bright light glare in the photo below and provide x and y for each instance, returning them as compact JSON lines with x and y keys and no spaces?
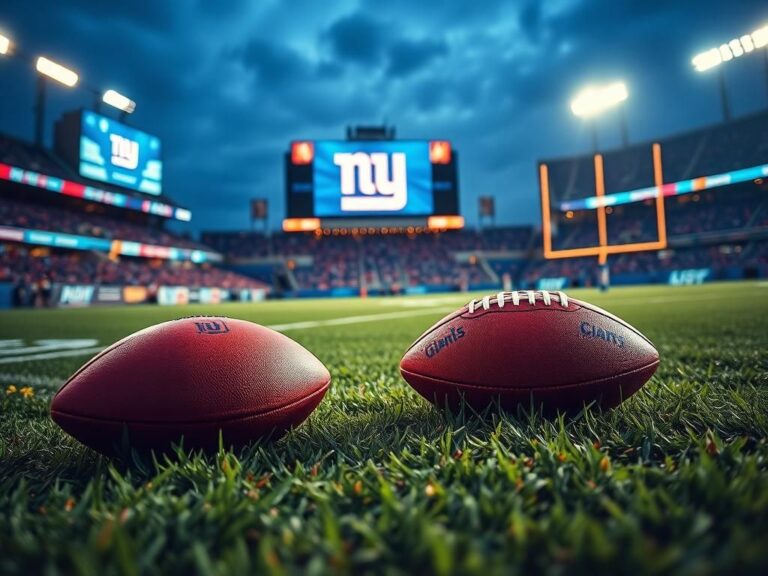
{"x":760,"y":37}
{"x":594,"y":100}
{"x":733,"y":49}
{"x":5,"y":44}
{"x":56,"y":71}
{"x":735,"y":46}
{"x":707,"y":60}
{"x":119,"y":101}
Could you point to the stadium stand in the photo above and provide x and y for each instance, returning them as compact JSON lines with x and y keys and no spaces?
{"x":46,"y":217}
{"x":34,"y":271}
{"x":722,"y":230}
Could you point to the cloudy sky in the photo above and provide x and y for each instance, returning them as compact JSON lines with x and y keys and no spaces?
{"x":227,"y":84}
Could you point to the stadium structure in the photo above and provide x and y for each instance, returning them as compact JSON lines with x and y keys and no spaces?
{"x":74,"y":233}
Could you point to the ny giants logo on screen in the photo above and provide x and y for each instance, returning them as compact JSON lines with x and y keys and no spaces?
{"x":125,"y":152}
{"x":372,"y":182}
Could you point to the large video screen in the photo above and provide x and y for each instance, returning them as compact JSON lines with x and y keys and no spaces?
{"x":117,"y":154}
{"x":362,"y":179}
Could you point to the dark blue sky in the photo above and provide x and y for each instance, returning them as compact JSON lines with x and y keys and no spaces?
{"x":227,"y":84}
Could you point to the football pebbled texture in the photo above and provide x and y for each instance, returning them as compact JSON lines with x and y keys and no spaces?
{"x":529,"y":348}
{"x":191,"y":378}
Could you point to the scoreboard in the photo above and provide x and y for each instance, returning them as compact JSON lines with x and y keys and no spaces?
{"x":332,"y":182}
{"x":103,"y":149}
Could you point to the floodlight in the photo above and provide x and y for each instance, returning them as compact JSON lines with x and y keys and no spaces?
{"x":593,"y":100}
{"x":5,"y":45}
{"x":114,"y":98}
{"x":56,"y":71}
{"x":707,"y":60}
{"x":760,"y":37}
{"x":732,"y":49}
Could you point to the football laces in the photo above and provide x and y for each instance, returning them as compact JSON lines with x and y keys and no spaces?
{"x":514,"y":297}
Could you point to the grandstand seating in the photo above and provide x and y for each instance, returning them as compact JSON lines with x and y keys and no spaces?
{"x":723,"y":229}
{"x":30,"y":265}
{"x":45,"y":217}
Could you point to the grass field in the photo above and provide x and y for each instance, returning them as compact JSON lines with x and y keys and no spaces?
{"x":379,"y":481}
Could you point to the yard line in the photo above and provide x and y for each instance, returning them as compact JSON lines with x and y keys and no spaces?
{"x":346,"y":320}
{"x":52,"y":355}
{"x":357,"y":319}
{"x":279,"y":327}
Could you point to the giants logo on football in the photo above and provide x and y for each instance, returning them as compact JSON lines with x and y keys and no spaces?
{"x":211,"y":327}
{"x":382,"y":189}
{"x":125,"y":152}
{"x":436,"y":346}
{"x":591,"y":331}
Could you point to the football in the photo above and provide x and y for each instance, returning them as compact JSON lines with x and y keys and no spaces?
{"x":191,"y":378}
{"x":537,"y":349}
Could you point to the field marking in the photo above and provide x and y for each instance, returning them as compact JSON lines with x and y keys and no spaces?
{"x":411,"y":302}
{"x":51,"y":355}
{"x":344,"y":320}
{"x":16,"y":347}
{"x":361,"y":319}
{"x":279,"y":327}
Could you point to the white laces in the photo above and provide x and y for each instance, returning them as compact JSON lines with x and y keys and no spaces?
{"x":514,"y":297}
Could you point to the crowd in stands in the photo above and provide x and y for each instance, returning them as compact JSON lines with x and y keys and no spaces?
{"x":37,"y":217}
{"x":328,"y":260}
{"x":339,"y":261}
{"x":31,"y":269}
{"x":384,"y":260}
{"x":749,"y":257}
{"x":719,"y":210}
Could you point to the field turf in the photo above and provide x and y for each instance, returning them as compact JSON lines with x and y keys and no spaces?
{"x":378,"y":481}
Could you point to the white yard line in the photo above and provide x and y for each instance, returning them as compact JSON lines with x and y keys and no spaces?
{"x":52,"y":355}
{"x":279,"y":327}
{"x":347,"y":320}
{"x":357,"y":319}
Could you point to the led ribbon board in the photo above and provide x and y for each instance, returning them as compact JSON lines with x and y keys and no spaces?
{"x":77,"y":190}
{"x":672,"y":189}
{"x":119,"y":247}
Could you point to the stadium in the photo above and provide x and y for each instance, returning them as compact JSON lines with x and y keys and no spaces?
{"x":380,"y":235}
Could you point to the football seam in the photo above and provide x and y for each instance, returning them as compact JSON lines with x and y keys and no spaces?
{"x":530,"y":389}
{"x":225,"y":419}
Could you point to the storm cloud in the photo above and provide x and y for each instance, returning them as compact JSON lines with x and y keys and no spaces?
{"x":227,"y":85}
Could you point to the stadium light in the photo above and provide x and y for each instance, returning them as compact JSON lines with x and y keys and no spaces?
{"x":594,"y":100}
{"x":56,"y":71}
{"x":49,"y":69}
{"x":733,"y":49}
{"x":5,"y":45}
{"x":117,"y":100}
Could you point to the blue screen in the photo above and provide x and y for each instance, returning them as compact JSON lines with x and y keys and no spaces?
{"x":372,"y":179}
{"x":114,"y":153}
